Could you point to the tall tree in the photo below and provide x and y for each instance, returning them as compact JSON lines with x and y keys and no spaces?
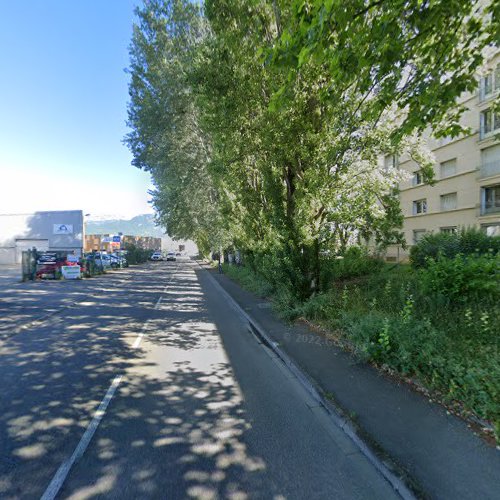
{"x":286,"y":108}
{"x":167,"y":139}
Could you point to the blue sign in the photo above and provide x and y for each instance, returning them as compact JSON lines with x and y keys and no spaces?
{"x":117,"y":239}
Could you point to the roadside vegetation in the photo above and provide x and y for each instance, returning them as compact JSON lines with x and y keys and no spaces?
{"x":136,"y":255}
{"x":436,"y":320}
{"x":269,"y":127}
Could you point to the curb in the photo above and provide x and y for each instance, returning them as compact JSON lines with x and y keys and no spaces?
{"x":334,"y":413}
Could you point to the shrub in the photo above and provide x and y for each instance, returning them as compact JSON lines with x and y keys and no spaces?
{"x":466,"y":242}
{"x":318,"y":307}
{"x":137,"y":255}
{"x":462,"y":278}
{"x":401,"y":317}
{"x":355,"y":262}
{"x":248,"y":279}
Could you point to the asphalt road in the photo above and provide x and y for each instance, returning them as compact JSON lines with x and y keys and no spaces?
{"x":192,"y":405}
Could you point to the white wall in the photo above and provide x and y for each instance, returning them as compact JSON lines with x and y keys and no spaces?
{"x":18,"y":231}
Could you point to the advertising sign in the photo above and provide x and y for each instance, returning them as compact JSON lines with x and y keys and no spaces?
{"x":63,"y":229}
{"x":70,"y":272}
{"x":111,"y":239}
{"x":47,"y":258}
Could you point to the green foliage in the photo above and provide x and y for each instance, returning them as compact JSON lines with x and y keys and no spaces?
{"x":355,"y":262}
{"x":316,"y":308}
{"x":463,"y":279}
{"x":418,"y":323}
{"x":248,"y":280}
{"x":369,"y":45}
{"x":467,"y":241}
{"x":262,"y":123}
{"x":136,"y":255}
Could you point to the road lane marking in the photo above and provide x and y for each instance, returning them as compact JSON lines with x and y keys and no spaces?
{"x":63,"y":471}
{"x":139,"y":337}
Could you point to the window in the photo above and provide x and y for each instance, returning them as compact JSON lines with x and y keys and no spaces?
{"x":419,"y":207}
{"x":490,"y":161}
{"x":448,"y":229}
{"x":490,"y":202}
{"x":448,"y":168}
{"x":390,"y":161}
{"x":490,"y":83}
{"x":418,"y":234}
{"x":417,"y":178}
{"x":448,"y":201}
{"x":489,"y":123}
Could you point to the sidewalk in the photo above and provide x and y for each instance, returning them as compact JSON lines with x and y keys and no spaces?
{"x":438,"y":454}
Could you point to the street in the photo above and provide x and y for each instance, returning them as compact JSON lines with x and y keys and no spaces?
{"x":150,"y":385}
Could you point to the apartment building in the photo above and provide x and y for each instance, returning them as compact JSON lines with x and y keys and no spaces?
{"x":467,"y":173}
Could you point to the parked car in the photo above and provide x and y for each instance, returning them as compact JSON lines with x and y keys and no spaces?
{"x":118,"y":260}
{"x":171,"y":256}
{"x":156,"y":256}
{"x":101,"y":259}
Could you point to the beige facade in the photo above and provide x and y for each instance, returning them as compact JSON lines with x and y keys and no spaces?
{"x":467,"y":173}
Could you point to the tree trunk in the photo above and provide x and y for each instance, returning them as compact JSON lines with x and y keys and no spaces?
{"x":315,"y":267}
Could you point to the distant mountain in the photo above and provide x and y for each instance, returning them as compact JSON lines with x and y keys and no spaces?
{"x":140,"y":225}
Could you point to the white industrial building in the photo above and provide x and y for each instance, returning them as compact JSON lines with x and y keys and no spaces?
{"x":58,"y":230}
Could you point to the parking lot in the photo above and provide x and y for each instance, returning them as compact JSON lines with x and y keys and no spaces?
{"x":21,"y":303}
{"x":9,"y":274}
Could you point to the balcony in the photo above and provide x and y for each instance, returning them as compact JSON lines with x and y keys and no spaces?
{"x":489,"y":169}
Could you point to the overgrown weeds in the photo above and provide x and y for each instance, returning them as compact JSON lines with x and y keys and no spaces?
{"x":439,"y":323}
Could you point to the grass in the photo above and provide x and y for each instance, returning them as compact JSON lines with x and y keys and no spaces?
{"x":248,"y":280}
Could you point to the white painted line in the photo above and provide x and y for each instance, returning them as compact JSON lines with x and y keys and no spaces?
{"x":63,"y":471}
{"x":138,"y":339}
{"x":65,"y":468}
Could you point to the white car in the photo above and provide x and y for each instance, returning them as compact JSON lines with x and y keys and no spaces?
{"x":156,"y":256}
{"x":171,"y":256}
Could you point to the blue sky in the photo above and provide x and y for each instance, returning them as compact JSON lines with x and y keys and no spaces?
{"x":63,"y":97}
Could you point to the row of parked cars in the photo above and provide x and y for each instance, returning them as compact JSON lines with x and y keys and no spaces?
{"x":108,"y":260}
{"x":171,"y":255}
